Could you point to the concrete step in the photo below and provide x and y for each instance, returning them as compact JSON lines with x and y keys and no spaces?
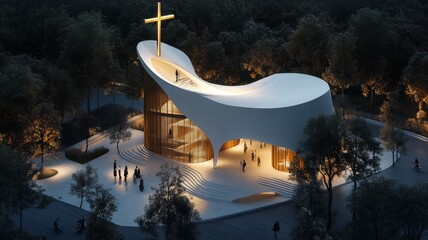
{"x":282,"y":187}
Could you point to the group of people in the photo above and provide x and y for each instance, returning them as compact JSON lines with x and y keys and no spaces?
{"x":137,"y":172}
{"x":80,"y":226}
{"x":118,"y":171}
{"x":253,"y":155}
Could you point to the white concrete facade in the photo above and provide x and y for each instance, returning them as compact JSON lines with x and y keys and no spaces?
{"x":274,"y":109}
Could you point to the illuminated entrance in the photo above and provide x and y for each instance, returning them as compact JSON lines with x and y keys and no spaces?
{"x":168,"y":132}
{"x":281,"y":158}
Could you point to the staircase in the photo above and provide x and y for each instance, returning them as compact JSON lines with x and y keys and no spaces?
{"x":284,"y":188}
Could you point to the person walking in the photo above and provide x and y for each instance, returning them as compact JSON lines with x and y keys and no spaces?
{"x":252,"y":155}
{"x":177,"y":75}
{"x":275,"y":228}
{"x":80,"y":225}
{"x":114,"y":169}
{"x":244,"y":164}
{"x":125,"y":173}
{"x":120,"y":175}
{"x":258,"y":161}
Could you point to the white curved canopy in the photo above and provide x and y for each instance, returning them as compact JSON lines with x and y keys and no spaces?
{"x":274,"y":109}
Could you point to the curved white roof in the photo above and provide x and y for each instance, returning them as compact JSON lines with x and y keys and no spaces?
{"x":278,"y":90}
{"x":274,"y":109}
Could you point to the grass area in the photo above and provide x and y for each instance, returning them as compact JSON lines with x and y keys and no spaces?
{"x":45,"y":173}
{"x":79,"y":156}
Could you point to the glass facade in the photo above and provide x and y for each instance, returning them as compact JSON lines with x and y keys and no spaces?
{"x":281,"y":158}
{"x":168,"y":132}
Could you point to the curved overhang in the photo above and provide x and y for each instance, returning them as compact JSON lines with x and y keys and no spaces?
{"x":274,"y":109}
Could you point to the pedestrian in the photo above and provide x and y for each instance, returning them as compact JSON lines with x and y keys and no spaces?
{"x":275,"y":228}
{"x":114,"y":173}
{"x":138,"y":173}
{"x":125,"y":173}
{"x":57,"y":225}
{"x":120,"y":175}
{"x":177,"y":75}
{"x":252,"y":155}
{"x":114,"y":165}
{"x":244,"y":164}
{"x":80,"y":226}
{"x":258,"y":161}
{"x":245,"y":147}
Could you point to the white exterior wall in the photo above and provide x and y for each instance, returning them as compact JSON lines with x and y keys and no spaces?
{"x":223,"y":112}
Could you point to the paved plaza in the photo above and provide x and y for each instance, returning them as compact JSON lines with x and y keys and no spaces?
{"x":215,"y":192}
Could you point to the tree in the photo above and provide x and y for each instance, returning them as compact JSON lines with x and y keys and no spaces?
{"x":308,"y":45}
{"x":308,"y":201}
{"x":386,"y":210}
{"x":63,"y":90}
{"x":21,"y":90}
{"x":169,"y":206}
{"x":416,"y":81}
{"x":373,"y":203}
{"x":391,"y":132}
{"x":411,"y":210}
{"x":362,"y":151}
{"x":102,"y":205}
{"x":42,"y":136}
{"x":373,"y":41}
{"x":310,"y":227}
{"x":119,"y":132}
{"x":87,"y":54}
{"x":260,"y":60}
{"x":322,"y":152}
{"x":84,"y":182}
{"x":19,"y":190}
{"x":342,"y":68}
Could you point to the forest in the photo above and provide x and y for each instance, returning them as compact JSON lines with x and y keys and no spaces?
{"x":53,"y":54}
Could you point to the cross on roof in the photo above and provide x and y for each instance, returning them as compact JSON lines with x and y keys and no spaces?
{"x":158,"y":19}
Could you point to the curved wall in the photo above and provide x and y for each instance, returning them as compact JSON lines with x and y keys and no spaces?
{"x":274,"y":109}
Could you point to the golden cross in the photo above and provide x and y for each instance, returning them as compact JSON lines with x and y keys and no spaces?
{"x":158,"y":19}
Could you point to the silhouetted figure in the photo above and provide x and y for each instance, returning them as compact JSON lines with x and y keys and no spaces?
{"x":125,"y":173}
{"x":252,"y":155}
{"x":258,"y":161}
{"x":114,"y":165}
{"x":120,"y":175}
{"x":80,"y":226}
{"x":115,"y":173}
{"x":57,"y":225}
{"x":244,"y":164}
{"x":177,"y":75}
{"x":245,"y":147}
{"x":275,"y":228}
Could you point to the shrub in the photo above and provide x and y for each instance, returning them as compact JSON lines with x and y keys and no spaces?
{"x":79,"y":156}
